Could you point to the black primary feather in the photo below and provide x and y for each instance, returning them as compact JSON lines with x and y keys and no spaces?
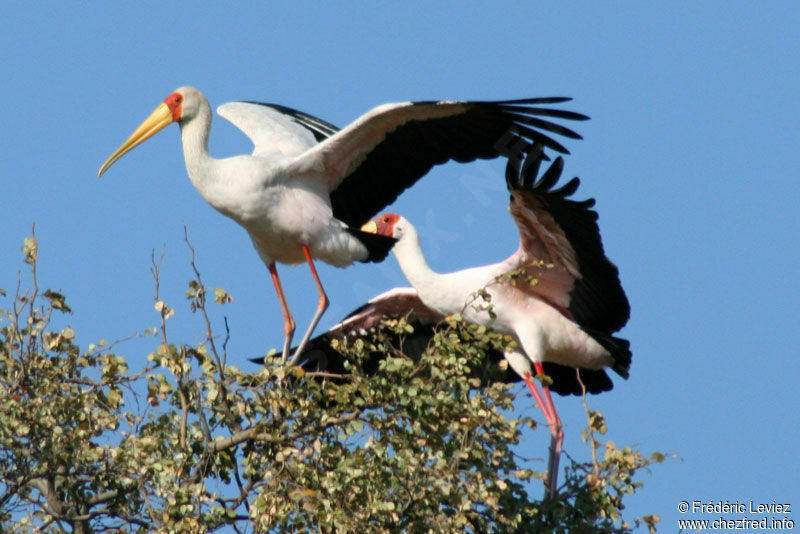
{"x":483,"y":130}
{"x":597,"y":300}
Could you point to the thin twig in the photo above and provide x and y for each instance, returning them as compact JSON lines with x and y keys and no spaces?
{"x":252,"y":433}
{"x":156,"y":270}
{"x":34,"y":277}
{"x":201,"y":305}
{"x":326,"y":374}
{"x":222,"y":381}
{"x":225,"y":342}
{"x":164,"y":312}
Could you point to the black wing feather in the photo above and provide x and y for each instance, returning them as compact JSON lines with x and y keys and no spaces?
{"x":597,"y":300}
{"x":485,"y":130}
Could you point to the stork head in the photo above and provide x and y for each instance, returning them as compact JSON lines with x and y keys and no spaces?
{"x":387,"y":224}
{"x":181,"y":105}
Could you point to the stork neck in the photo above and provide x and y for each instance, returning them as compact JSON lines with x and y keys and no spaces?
{"x":194,"y":135}
{"x":408,"y":252}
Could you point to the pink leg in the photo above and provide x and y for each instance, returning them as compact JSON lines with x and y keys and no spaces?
{"x":556,"y":432}
{"x":288,"y":320}
{"x":322,"y":305}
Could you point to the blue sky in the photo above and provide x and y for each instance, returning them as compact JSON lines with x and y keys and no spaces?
{"x":691,"y":154}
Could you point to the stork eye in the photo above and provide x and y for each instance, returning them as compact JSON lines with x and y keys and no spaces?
{"x":178,"y":99}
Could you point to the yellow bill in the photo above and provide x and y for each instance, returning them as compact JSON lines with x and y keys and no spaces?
{"x":157,"y":121}
{"x":371,"y":227}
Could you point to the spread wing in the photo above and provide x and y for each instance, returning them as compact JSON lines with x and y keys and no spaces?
{"x":374,"y":159}
{"x":321,"y":355}
{"x":560,"y":245}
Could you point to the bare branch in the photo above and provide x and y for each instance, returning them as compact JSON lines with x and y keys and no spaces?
{"x":222,"y":381}
{"x":252,"y":433}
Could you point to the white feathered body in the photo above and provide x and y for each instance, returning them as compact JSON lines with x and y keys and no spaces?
{"x":281,"y":210}
{"x":543,"y":332}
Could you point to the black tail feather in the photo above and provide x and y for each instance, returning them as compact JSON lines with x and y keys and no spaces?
{"x":565,"y":379}
{"x":619,"y":348}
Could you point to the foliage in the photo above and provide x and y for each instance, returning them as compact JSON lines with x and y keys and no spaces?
{"x":192,"y":444}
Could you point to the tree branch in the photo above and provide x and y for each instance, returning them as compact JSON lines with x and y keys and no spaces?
{"x":252,"y":434}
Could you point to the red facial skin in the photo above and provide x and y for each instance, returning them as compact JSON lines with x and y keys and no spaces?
{"x":175,"y":102}
{"x":386,"y":223}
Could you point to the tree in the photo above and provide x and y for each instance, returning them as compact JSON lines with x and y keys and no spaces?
{"x":193,"y":444}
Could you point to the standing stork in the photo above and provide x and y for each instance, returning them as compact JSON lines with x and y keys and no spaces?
{"x":307,"y":187}
{"x":558,"y":294}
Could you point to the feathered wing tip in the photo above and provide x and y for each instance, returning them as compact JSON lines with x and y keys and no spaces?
{"x":529,"y":125}
{"x":598,"y":299}
{"x":523,"y":167}
{"x":378,"y":246}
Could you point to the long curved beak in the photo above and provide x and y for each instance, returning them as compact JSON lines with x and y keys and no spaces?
{"x":157,"y":121}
